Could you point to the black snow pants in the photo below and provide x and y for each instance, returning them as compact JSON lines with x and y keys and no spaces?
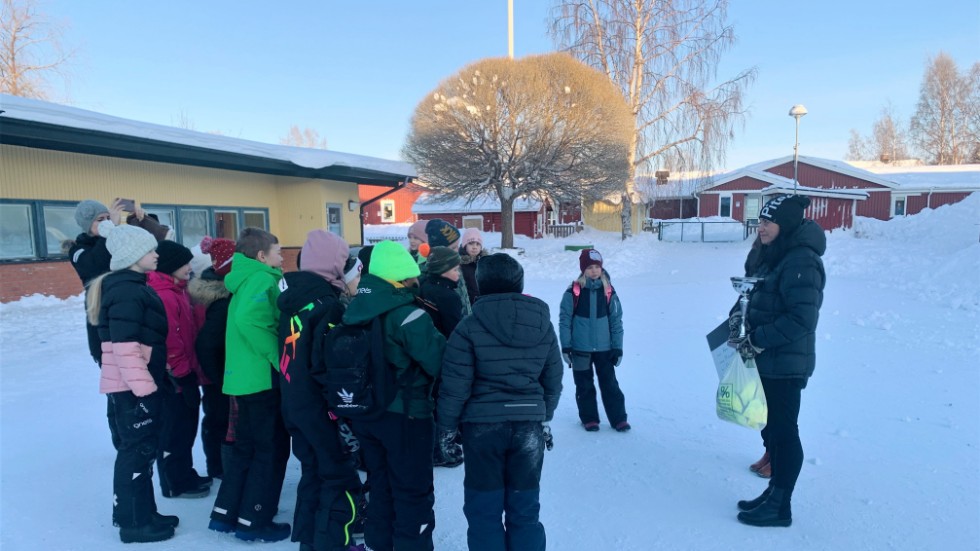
{"x":177,"y":435}
{"x":613,"y":400}
{"x":214,"y":426}
{"x":138,"y":431}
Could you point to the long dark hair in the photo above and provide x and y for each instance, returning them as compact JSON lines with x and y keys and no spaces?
{"x":770,"y":255}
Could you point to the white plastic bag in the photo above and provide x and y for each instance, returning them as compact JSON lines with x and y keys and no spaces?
{"x":740,"y":398}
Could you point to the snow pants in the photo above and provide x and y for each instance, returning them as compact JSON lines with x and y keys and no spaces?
{"x":503,"y":475}
{"x":214,"y":427}
{"x":177,"y":435}
{"x":398,"y":459}
{"x":613,"y":400}
{"x":132,"y":484}
{"x":782,"y":431}
{"x":254,"y":472}
{"x":328,"y":489}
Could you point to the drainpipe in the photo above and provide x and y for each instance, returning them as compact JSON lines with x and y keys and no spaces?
{"x":929,"y":198}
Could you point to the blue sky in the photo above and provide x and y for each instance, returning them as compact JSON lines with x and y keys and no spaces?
{"x":354,"y":71}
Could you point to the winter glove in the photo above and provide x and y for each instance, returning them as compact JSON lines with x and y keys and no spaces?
{"x":745,"y":348}
{"x":735,"y":326}
{"x":549,"y":440}
{"x":566,"y":353}
{"x":189,"y":391}
{"x":447,"y":445}
{"x":616,"y":357}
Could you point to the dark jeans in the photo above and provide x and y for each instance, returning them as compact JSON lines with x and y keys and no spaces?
{"x":398,"y":458}
{"x":782,"y":433}
{"x":254,"y":472}
{"x":132,"y":484}
{"x":328,"y":489}
{"x":503,"y":475}
{"x":214,"y":427}
{"x":177,"y":435}
{"x":613,"y":400}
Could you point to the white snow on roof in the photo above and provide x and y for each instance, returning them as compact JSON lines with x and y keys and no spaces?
{"x":41,"y":111}
{"x":428,"y":203}
{"x":682,"y":187}
{"x":827,"y":164}
{"x":815,"y":191}
{"x":924,"y":178}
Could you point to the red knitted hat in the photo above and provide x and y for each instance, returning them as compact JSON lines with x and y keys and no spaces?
{"x":589,"y":257}
{"x":221,"y":251}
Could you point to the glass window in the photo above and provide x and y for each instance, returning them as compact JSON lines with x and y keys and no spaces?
{"x":193,"y":226}
{"x":387,"y":211}
{"x":163,"y":216}
{"x":226,"y":224}
{"x":334,"y":220}
{"x":899,"y":207}
{"x":725,"y":207}
{"x":59,"y":227}
{"x":16,"y":237}
{"x":255,"y":219}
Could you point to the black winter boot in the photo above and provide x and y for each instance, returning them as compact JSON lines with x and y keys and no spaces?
{"x":774,"y":511}
{"x":165,"y":520}
{"x":147,"y":533}
{"x":749,"y":504}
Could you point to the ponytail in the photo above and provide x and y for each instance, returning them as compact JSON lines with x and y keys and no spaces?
{"x":93,"y":299}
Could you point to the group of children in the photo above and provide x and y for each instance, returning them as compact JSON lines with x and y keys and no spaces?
{"x":251,"y":337}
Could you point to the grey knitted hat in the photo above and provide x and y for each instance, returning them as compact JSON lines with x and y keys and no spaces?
{"x":441,"y":260}
{"x":87,"y":211}
{"x":127,"y":244}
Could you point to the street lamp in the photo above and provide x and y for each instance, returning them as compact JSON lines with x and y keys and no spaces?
{"x":796,"y":112}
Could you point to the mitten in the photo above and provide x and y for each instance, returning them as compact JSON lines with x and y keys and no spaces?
{"x":549,"y":440}
{"x":566,"y":353}
{"x":734,"y":326}
{"x":616,"y":357}
{"x":147,"y":406}
{"x":746,"y":349}
{"x":447,"y":444}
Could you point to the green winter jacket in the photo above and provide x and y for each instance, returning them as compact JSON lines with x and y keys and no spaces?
{"x":411,"y":340}
{"x":251,"y":339}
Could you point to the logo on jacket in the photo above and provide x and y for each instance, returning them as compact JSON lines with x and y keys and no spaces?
{"x":347,"y":397}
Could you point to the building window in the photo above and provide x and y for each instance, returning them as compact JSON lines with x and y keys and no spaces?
{"x":387,"y":211}
{"x":59,"y":227}
{"x":226,"y":224}
{"x":255,"y":219}
{"x":16,"y":239}
{"x":193,"y":226}
{"x":164,"y":216}
{"x":334,"y":219}
{"x":473,"y":221}
{"x":898,"y":206}
{"x":725,"y":206}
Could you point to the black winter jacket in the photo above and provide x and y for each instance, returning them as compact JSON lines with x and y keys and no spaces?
{"x":309,"y":305}
{"x":441,"y":292}
{"x":131,"y":311}
{"x":90,"y":259}
{"x":501,"y":364}
{"x":209,"y":291}
{"x":468,"y":267}
{"x":784,"y":308}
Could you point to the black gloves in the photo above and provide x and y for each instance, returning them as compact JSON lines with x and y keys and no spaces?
{"x":566,"y":353}
{"x":549,"y":440}
{"x":745,"y":348}
{"x":616,"y":357}
{"x":735,"y":326}
{"x":451,"y":452}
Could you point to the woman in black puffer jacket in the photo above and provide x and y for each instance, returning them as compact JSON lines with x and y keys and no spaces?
{"x":782,"y":321}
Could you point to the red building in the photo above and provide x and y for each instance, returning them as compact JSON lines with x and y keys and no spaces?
{"x":379,"y":205}
{"x":484,"y":214}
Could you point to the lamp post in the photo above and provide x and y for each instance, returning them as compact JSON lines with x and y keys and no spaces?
{"x":796,"y":112}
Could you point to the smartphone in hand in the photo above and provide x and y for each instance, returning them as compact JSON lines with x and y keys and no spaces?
{"x":128,"y":205}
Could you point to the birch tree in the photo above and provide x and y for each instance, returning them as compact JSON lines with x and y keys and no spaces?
{"x":663,"y":55}
{"x":940,"y":126}
{"x":542,"y":126}
{"x":31,"y":52}
{"x":307,"y":137}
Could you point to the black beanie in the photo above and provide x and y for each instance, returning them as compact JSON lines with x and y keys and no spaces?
{"x":173,"y":256}
{"x":499,"y":273}
{"x":785,"y":210}
{"x":364,"y":255}
{"x":441,"y":260}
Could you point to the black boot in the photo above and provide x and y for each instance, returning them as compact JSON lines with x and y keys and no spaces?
{"x":165,"y":520}
{"x":774,"y":511}
{"x":149,"y":532}
{"x":749,"y":504}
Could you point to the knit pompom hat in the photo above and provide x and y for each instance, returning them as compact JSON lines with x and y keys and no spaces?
{"x":471,"y":235}
{"x":127,"y":245}
{"x":441,"y":260}
{"x":221,"y":251}
{"x":173,"y":256}
{"x":325,"y":254}
{"x":390,"y":261}
{"x":87,"y":211}
{"x":417,"y":230}
{"x":588,"y":257}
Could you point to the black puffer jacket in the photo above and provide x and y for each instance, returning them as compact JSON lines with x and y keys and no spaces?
{"x":308,"y":305}
{"x":784,"y":309}
{"x":209,"y":291}
{"x":90,"y":259}
{"x":441,"y":292}
{"x":501,"y":364}
{"x":131,"y":312}
{"x":468,"y":268}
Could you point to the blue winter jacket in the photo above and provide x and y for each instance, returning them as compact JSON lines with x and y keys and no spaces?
{"x":592,"y":324}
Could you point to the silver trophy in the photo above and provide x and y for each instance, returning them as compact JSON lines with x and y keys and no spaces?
{"x":744,"y":286}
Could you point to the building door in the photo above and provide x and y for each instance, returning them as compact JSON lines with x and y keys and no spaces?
{"x":334,"y":219}
{"x":752,"y":205}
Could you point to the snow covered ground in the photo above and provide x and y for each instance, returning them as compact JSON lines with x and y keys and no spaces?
{"x":890,"y":421}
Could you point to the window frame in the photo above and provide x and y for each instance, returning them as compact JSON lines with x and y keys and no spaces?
{"x":731,"y":204}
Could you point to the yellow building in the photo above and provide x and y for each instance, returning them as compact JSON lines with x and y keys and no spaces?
{"x":53,"y":156}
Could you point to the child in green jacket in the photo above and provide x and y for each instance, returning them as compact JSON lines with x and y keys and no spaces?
{"x":249,"y":493}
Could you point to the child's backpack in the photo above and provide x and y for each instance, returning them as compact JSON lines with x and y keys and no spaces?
{"x":577,"y":290}
{"x":358,"y":382}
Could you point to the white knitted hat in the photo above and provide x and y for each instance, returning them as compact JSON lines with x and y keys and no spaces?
{"x":127,"y":245}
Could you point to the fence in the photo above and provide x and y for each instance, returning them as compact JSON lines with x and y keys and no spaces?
{"x":562,"y":230}
{"x":379,"y":238}
{"x":701,"y":231}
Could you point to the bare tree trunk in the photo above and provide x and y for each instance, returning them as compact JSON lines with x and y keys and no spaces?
{"x":507,"y":223}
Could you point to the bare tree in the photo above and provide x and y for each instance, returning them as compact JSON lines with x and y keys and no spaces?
{"x":940,"y":126}
{"x":307,"y":137}
{"x":857,"y":147}
{"x":31,"y":53}
{"x":973,"y":114}
{"x":539,"y":126}
{"x":887,"y":142}
{"x":663,"y":55}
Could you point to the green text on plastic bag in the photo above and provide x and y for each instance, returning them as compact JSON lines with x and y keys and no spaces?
{"x":740,"y":398}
